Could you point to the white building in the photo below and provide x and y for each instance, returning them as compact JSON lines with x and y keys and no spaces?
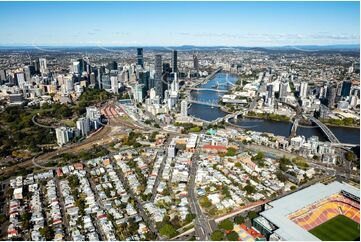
{"x":76,"y":67}
{"x":303,"y":89}
{"x":62,"y":135}
{"x":43,"y":65}
{"x":184,"y":108}
{"x":93,"y":113}
{"x":83,"y":125}
{"x":69,"y":84}
{"x":21,"y":79}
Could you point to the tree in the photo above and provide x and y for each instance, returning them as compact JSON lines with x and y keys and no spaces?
{"x":73,"y":181}
{"x":133,"y":227}
{"x":205,"y":202}
{"x":232,"y":236}
{"x":281,"y":176}
{"x":239,"y":220}
{"x":167,"y":230}
{"x":226,"y":225}
{"x":238,"y":165}
{"x":47,"y":233}
{"x":3,"y":218}
{"x":252,"y":215}
{"x":225,"y":192}
{"x":190,"y":217}
{"x":249,"y":189}
{"x":349,"y":156}
{"x":231,"y":151}
{"x":259,"y":156}
{"x":217,"y":235}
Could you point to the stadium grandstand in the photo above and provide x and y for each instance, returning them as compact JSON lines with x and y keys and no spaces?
{"x":313,"y":214}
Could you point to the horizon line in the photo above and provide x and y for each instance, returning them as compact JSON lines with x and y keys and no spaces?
{"x":162,"y":46}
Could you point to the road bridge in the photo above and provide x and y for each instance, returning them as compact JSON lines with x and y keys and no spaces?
{"x":331,"y":137}
{"x":294,"y":127}
{"x":230,"y":116}
{"x":343,"y":145}
{"x":201,"y":102}
{"x":208,"y":89}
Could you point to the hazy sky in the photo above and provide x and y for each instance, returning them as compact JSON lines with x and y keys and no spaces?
{"x":179,"y":23}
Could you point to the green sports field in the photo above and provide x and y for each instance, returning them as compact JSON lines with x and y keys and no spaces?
{"x":337,"y":228}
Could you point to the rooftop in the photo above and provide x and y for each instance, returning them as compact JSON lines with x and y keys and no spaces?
{"x":282,"y":207}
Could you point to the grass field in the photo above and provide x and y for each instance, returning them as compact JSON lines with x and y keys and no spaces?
{"x":337,"y":228}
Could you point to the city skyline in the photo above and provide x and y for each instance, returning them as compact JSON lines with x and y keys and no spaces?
{"x":249,"y":24}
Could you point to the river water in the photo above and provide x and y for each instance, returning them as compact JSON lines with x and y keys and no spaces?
{"x":345,"y":135}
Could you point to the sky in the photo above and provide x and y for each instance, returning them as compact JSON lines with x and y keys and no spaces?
{"x":179,"y":23}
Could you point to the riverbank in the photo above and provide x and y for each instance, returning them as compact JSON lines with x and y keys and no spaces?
{"x":268,"y":124}
{"x":341,"y":124}
{"x":267,"y":116}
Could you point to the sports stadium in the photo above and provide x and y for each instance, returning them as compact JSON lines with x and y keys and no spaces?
{"x":319,"y":212}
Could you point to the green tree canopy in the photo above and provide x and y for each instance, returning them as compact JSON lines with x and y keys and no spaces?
{"x":232,"y":236}
{"x":226,"y":225}
{"x":252,"y":215}
{"x":204,"y":201}
{"x":231,"y":151}
{"x":249,"y":189}
{"x":190,"y":217}
{"x":217,"y":235}
{"x":239,"y":219}
{"x":349,"y":156}
{"x":167,"y":230}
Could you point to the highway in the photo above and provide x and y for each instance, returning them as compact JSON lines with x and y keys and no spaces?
{"x":202,"y":226}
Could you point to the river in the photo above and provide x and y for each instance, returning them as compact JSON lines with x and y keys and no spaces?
{"x":345,"y":135}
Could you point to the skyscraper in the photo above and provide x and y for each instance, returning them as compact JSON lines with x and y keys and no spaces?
{"x":195,"y":63}
{"x":140,"y":60}
{"x":62,"y":135}
{"x":93,"y":113}
{"x":43,"y":68}
{"x":76,"y":67}
{"x":303,"y":89}
{"x":83,"y":125}
{"x":270,"y":91}
{"x":184,"y":108}
{"x":113,"y":66}
{"x":29,"y":72}
{"x":20,"y":79}
{"x":346,"y":88}
{"x":283,"y":90}
{"x":144,"y":79}
{"x":114,"y":81}
{"x":69,"y":84}
{"x":36,"y":65}
{"x":105,"y":81}
{"x":331,"y":96}
{"x":175,"y":61}
{"x":158,"y":83}
{"x":2,"y":75}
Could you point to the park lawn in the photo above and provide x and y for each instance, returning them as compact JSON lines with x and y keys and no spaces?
{"x":339,"y":228}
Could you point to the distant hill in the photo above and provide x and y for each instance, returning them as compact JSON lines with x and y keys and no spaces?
{"x":287,"y":48}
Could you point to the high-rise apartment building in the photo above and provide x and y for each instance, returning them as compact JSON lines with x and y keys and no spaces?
{"x":331,"y":96}
{"x":303,"y":89}
{"x":346,"y":88}
{"x":175,"y":61}
{"x":158,"y":82}
{"x":43,"y":68}
{"x":184,"y":108}
{"x":140,"y":60}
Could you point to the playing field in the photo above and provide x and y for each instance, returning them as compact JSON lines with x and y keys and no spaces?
{"x":337,"y":228}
